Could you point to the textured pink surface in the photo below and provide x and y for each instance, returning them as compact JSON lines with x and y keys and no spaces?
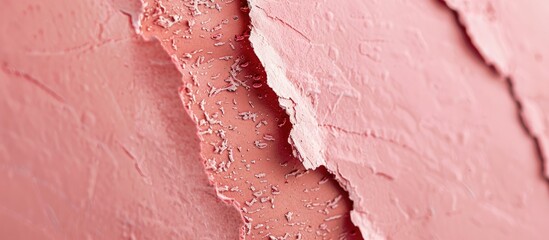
{"x":94,"y":141}
{"x":423,"y":134}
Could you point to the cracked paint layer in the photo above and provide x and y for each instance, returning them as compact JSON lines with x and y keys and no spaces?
{"x":423,"y":136}
{"x":94,"y":143}
{"x":244,"y":126}
{"x":510,"y":37}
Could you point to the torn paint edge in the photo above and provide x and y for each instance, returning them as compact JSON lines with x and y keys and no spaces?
{"x":528,"y":113}
{"x":210,"y":175}
{"x":136,"y":24}
{"x":502,"y":64}
{"x":306,"y":136}
{"x":359,"y":217}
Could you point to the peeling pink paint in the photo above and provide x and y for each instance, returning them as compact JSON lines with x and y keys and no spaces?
{"x":245,"y":127}
{"x":424,"y":136}
{"x":388,"y":96}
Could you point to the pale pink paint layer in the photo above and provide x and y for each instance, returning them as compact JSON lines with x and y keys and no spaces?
{"x":94,"y":141}
{"x":423,"y":134}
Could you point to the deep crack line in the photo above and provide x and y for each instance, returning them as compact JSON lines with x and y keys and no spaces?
{"x":522,"y":119}
{"x":510,"y":84}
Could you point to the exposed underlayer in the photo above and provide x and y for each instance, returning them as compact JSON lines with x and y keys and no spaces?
{"x":246,"y":143}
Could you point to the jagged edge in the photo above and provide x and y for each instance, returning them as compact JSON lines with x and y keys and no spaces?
{"x":311,"y":165}
{"x":228,"y":201}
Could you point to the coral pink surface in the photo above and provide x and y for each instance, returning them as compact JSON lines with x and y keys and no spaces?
{"x":274,"y":119}
{"x":243,"y":130}
{"x":95,"y":143}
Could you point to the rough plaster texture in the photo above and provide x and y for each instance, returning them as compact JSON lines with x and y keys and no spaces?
{"x":94,"y":141}
{"x":244,"y":132}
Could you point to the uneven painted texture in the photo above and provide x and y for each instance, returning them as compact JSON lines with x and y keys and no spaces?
{"x":513,"y":37}
{"x":389,"y":95}
{"x":422,"y":133}
{"x":94,"y":141}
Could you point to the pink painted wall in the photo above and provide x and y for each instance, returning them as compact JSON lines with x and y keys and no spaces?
{"x":431,"y":114}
